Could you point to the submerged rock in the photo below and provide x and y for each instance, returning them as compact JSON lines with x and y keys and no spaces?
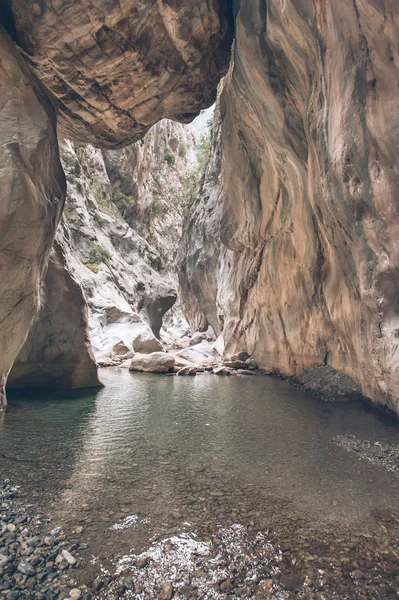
{"x":156,"y":362}
{"x":187,"y":371}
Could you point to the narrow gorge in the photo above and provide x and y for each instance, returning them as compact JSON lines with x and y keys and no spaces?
{"x":200,"y":188}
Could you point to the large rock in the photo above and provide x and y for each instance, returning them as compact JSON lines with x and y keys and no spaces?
{"x":146,"y":343}
{"x":157,"y":362}
{"x":203,"y":354}
{"x":57,"y":353}
{"x":306,"y":223}
{"x":154,"y":307}
{"x":32,"y":192}
{"x":116,"y":68}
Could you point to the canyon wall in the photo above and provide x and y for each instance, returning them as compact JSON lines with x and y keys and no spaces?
{"x":307,"y":271}
{"x":32,"y":193}
{"x":101,"y":73}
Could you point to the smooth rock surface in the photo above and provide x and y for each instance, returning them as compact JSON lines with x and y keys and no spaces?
{"x":32,"y":194}
{"x":146,"y":344}
{"x":157,"y":362}
{"x":57,"y":352}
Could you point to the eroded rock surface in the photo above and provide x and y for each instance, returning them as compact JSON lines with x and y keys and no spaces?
{"x":32,"y":193}
{"x":57,"y":353}
{"x":116,"y":68}
{"x":307,"y":271}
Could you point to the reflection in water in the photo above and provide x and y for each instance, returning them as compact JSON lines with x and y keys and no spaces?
{"x":160,"y":446}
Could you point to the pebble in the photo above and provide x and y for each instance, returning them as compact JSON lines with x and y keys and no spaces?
{"x":68,"y":557}
{"x":75,"y":594}
{"x":26,"y":568}
{"x":166,"y":592}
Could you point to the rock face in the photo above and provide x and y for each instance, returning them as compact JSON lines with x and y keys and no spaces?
{"x":57,"y":353}
{"x":32,"y":192}
{"x":116,"y":68}
{"x":307,"y":224}
{"x":113,"y":231}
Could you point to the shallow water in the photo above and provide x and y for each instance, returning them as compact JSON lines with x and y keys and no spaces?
{"x":149,"y":456}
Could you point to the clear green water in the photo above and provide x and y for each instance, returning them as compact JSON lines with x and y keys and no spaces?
{"x":143,"y":440}
{"x":151,"y":457}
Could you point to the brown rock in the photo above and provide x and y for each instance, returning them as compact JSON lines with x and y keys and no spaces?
{"x":116,"y":68}
{"x":292,"y":242}
{"x":264,"y":588}
{"x":235,"y":364}
{"x":166,"y":592}
{"x":32,"y":193}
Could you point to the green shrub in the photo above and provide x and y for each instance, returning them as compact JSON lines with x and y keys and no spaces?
{"x":170,"y":159}
{"x":148,"y":261}
{"x":183,"y":149}
{"x":159,"y":208}
{"x":99,"y":254}
{"x":92,"y":267}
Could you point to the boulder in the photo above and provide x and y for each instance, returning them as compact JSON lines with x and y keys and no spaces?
{"x":252,"y":364}
{"x":156,"y":362}
{"x":236,"y":364}
{"x":223,"y":371}
{"x":120,"y":349}
{"x":147,"y":343}
{"x":203,"y":354}
{"x":187,"y":371}
{"x":202,"y":336}
{"x":242,"y":356}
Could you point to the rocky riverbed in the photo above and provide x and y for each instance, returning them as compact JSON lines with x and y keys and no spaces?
{"x":261,"y":551}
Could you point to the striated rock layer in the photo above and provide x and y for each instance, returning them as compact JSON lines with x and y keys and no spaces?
{"x":117,"y":67}
{"x":308,"y":267}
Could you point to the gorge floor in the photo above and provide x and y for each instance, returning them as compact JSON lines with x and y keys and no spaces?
{"x":206,"y":488}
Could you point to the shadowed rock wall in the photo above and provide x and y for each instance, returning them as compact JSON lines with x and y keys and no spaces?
{"x":308,"y":268}
{"x":57,"y":353}
{"x":32,"y":192}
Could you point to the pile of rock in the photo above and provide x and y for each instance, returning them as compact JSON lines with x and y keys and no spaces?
{"x":240,"y":363}
{"x":34,"y":563}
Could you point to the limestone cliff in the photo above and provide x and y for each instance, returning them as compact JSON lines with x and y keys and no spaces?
{"x":118,"y":206}
{"x":32,"y":193}
{"x":308,"y":268}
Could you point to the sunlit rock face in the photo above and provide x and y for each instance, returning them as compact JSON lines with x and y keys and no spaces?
{"x":32,"y":192}
{"x":57,"y":353}
{"x":308,"y":269}
{"x":117,"y":67}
